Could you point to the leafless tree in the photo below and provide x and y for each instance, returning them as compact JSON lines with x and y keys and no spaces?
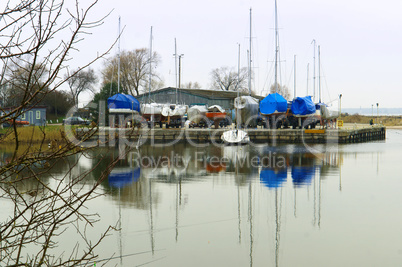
{"x":134,"y":70}
{"x":37,"y":40}
{"x":227,"y":79}
{"x":80,"y":81}
{"x":280,"y":89}
{"x":191,"y":85}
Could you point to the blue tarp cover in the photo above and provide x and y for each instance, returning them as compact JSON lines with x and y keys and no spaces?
{"x":302,"y":175}
{"x":273,"y":102}
{"x":123,"y":101}
{"x":272,"y":178}
{"x":303,"y":106}
{"x":120,"y":179}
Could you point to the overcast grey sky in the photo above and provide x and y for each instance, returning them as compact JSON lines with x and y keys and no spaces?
{"x":360,"y":42}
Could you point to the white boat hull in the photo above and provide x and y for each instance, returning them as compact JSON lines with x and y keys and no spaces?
{"x":246,"y":110}
{"x":151,"y":109}
{"x":174,"y":110}
{"x":196,"y":113}
{"x":235,"y":137}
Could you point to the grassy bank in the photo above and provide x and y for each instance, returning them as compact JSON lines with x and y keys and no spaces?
{"x":32,"y":134}
{"x":384,"y":120}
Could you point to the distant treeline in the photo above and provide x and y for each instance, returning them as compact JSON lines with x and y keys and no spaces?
{"x":373,"y":111}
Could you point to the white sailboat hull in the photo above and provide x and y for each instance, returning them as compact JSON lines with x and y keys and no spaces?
{"x":174,"y":110}
{"x":196,"y":113}
{"x":151,"y":109}
{"x":246,"y":110}
{"x":235,"y":137}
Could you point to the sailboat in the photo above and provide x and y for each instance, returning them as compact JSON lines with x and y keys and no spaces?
{"x":247,"y":106}
{"x":168,"y":113}
{"x":120,"y":103}
{"x":152,"y":112}
{"x":236,"y":136}
{"x":274,"y":104}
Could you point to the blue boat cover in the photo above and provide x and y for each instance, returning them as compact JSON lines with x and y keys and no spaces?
{"x":272,"y":178}
{"x":303,"y":106}
{"x":123,"y":101}
{"x":120,"y":179}
{"x":302,"y":175}
{"x":273,"y":102}
{"x":318,"y":106}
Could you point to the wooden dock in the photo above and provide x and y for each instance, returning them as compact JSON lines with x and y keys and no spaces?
{"x":259,"y":135}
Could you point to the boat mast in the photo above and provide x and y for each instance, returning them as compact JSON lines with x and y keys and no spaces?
{"x":294,"y":83}
{"x":118,"y":65}
{"x":314,"y":71}
{"x":276,"y":48}
{"x":249,"y":69}
{"x":150,"y":68}
{"x":238,"y":82}
{"x":307,"y":78}
{"x":319,"y":74}
{"x":175,"y":63}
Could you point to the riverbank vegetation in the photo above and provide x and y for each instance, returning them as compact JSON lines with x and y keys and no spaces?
{"x":39,"y":40}
{"x":33,"y":134}
{"x":361,"y":119}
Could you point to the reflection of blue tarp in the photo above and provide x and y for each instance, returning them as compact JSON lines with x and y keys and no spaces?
{"x":123,"y":101}
{"x":272,"y":178}
{"x":273,"y":102}
{"x":302,"y":175}
{"x":303,"y":106}
{"x":121,"y":178}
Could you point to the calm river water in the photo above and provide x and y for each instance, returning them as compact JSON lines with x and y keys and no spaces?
{"x":253,"y":206}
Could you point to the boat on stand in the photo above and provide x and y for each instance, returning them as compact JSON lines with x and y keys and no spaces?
{"x":237,"y":136}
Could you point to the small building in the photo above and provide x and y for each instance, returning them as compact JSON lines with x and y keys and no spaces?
{"x":192,"y":96}
{"x":35,"y":116}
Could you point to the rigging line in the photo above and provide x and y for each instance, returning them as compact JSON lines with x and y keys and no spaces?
{"x":268,"y":77}
{"x":150,"y":261}
{"x":117,"y":257}
{"x":325,"y":81}
{"x":290,"y":76}
{"x":141,"y":232}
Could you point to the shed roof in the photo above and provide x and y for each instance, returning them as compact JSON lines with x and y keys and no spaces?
{"x":206,"y":93}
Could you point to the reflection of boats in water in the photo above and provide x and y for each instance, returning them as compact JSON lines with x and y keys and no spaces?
{"x":303,"y":175}
{"x":273,"y":178}
{"x":120,"y":177}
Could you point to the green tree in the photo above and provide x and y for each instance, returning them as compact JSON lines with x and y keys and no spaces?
{"x":106,"y":91}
